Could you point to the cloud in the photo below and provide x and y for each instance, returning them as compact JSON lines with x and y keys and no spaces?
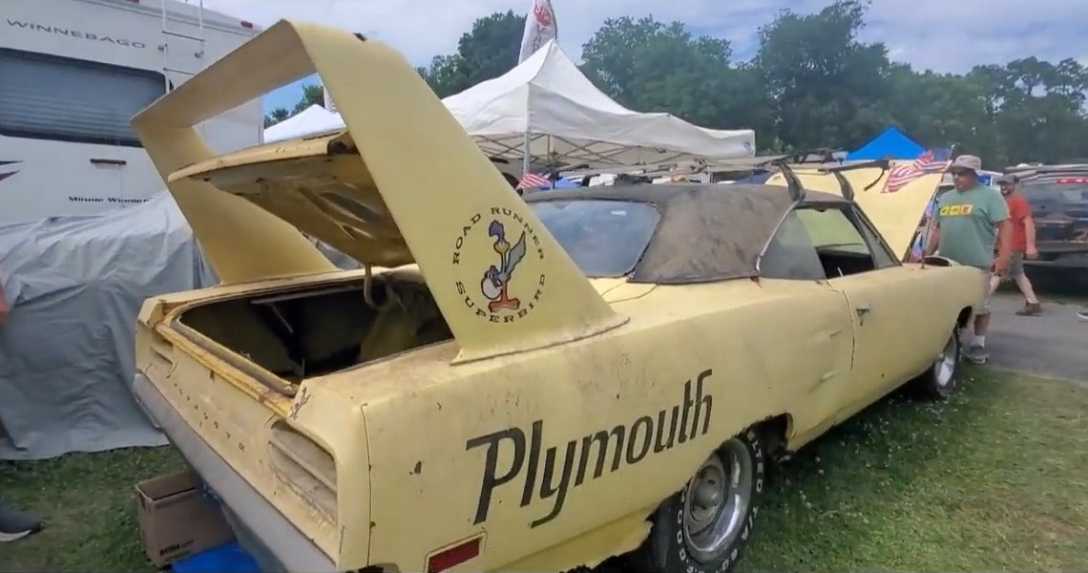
{"x":956,"y":36}
{"x":936,"y":34}
{"x":928,"y":34}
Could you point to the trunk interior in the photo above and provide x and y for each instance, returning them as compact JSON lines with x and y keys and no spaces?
{"x":304,"y":333}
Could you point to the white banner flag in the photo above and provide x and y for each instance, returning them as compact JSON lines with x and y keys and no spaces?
{"x":540,"y":27}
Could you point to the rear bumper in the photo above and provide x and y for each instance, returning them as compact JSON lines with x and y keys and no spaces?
{"x":262,"y":529}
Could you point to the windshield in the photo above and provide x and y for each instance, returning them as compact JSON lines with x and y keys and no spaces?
{"x":605,"y":238}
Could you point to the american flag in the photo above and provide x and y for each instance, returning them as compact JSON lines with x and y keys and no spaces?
{"x":534,"y":181}
{"x":902,"y":174}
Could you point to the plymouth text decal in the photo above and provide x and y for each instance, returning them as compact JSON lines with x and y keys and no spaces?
{"x":622,"y":444}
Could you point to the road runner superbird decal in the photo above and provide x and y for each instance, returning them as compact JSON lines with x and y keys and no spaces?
{"x":494,"y":228}
{"x":630,"y":444}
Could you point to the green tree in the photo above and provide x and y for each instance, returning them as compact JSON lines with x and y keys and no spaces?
{"x":812,"y":84}
{"x":447,"y":75}
{"x":826,"y":88}
{"x":489,"y":50}
{"x":652,"y":66}
{"x":279,"y":114}
{"x":1039,"y":109}
{"x":311,"y":94}
{"x":945,"y":110}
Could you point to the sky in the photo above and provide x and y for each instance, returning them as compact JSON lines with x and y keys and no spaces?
{"x":941,"y":35}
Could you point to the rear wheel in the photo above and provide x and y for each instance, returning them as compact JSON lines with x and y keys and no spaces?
{"x":941,"y":380}
{"x":703,"y":528}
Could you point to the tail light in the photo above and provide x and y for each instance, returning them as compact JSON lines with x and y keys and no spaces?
{"x":305,"y":468}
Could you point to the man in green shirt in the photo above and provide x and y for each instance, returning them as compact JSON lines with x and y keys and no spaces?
{"x":971,"y":220}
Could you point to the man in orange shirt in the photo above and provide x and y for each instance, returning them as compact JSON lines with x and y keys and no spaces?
{"x":1023,"y":245}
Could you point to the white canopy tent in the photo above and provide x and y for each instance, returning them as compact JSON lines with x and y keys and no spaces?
{"x":314,"y":119}
{"x":571,"y":122}
{"x":566,"y":121}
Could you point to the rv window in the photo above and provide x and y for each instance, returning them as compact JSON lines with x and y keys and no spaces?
{"x":50,"y":97}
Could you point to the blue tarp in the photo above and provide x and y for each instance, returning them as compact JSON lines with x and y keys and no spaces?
{"x":229,"y":558}
{"x":892,"y":144}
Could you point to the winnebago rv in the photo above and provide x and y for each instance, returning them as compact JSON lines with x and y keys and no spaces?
{"x":74,"y":72}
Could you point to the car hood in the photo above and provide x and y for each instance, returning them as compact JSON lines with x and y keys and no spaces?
{"x":896,"y":215}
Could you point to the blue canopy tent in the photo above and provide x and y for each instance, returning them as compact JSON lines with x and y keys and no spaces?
{"x":892,"y":144}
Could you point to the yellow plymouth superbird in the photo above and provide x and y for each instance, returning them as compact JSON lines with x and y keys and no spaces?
{"x":517,"y":385}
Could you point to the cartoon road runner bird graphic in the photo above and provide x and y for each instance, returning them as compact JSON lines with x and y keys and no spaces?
{"x":497,"y":279}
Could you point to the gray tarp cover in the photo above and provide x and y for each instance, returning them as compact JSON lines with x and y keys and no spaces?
{"x":75,"y":286}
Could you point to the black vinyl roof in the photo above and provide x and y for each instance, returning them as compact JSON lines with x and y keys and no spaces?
{"x":707,"y":232}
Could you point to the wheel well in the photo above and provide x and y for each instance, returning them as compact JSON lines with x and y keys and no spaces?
{"x":775,"y":432}
{"x":965,"y":315}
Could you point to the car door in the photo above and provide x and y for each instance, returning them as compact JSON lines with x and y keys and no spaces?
{"x":880,"y":294}
{"x":818,"y":332}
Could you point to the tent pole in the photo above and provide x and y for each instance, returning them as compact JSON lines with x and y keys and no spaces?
{"x":525,"y":155}
{"x":551,"y":167}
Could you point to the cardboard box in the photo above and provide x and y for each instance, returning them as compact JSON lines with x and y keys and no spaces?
{"x":177,"y":519}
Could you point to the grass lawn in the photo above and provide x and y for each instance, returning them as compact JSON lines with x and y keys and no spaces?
{"x":89,"y":507}
{"x":995,"y":479}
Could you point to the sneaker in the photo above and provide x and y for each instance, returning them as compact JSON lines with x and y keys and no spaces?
{"x":1031,"y":309}
{"x":1083,"y":315}
{"x":17,"y":524}
{"x":976,"y":354}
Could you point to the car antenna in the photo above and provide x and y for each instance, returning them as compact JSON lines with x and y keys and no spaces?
{"x":797,"y":191}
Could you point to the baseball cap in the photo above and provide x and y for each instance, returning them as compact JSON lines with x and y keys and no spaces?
{"x":969,"y":162}
{"x":1008,"y":178}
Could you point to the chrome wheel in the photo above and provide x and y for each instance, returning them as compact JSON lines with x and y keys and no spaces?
{"x":944,"y":369}
{"x":716,"y":501}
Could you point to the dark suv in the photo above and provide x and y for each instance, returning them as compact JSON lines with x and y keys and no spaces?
{"x":1059,"y":201}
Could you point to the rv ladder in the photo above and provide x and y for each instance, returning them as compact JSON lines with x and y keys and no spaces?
{"x":165,"y":46}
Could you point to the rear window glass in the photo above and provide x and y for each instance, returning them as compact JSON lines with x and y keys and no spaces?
{"x":50,"y":97}
{"x":1060,"y":192}
{"x":605,"y":238}
{"x":1058,"y":200}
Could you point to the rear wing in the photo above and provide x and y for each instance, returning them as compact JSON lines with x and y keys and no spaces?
{"x":501,"y":280}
